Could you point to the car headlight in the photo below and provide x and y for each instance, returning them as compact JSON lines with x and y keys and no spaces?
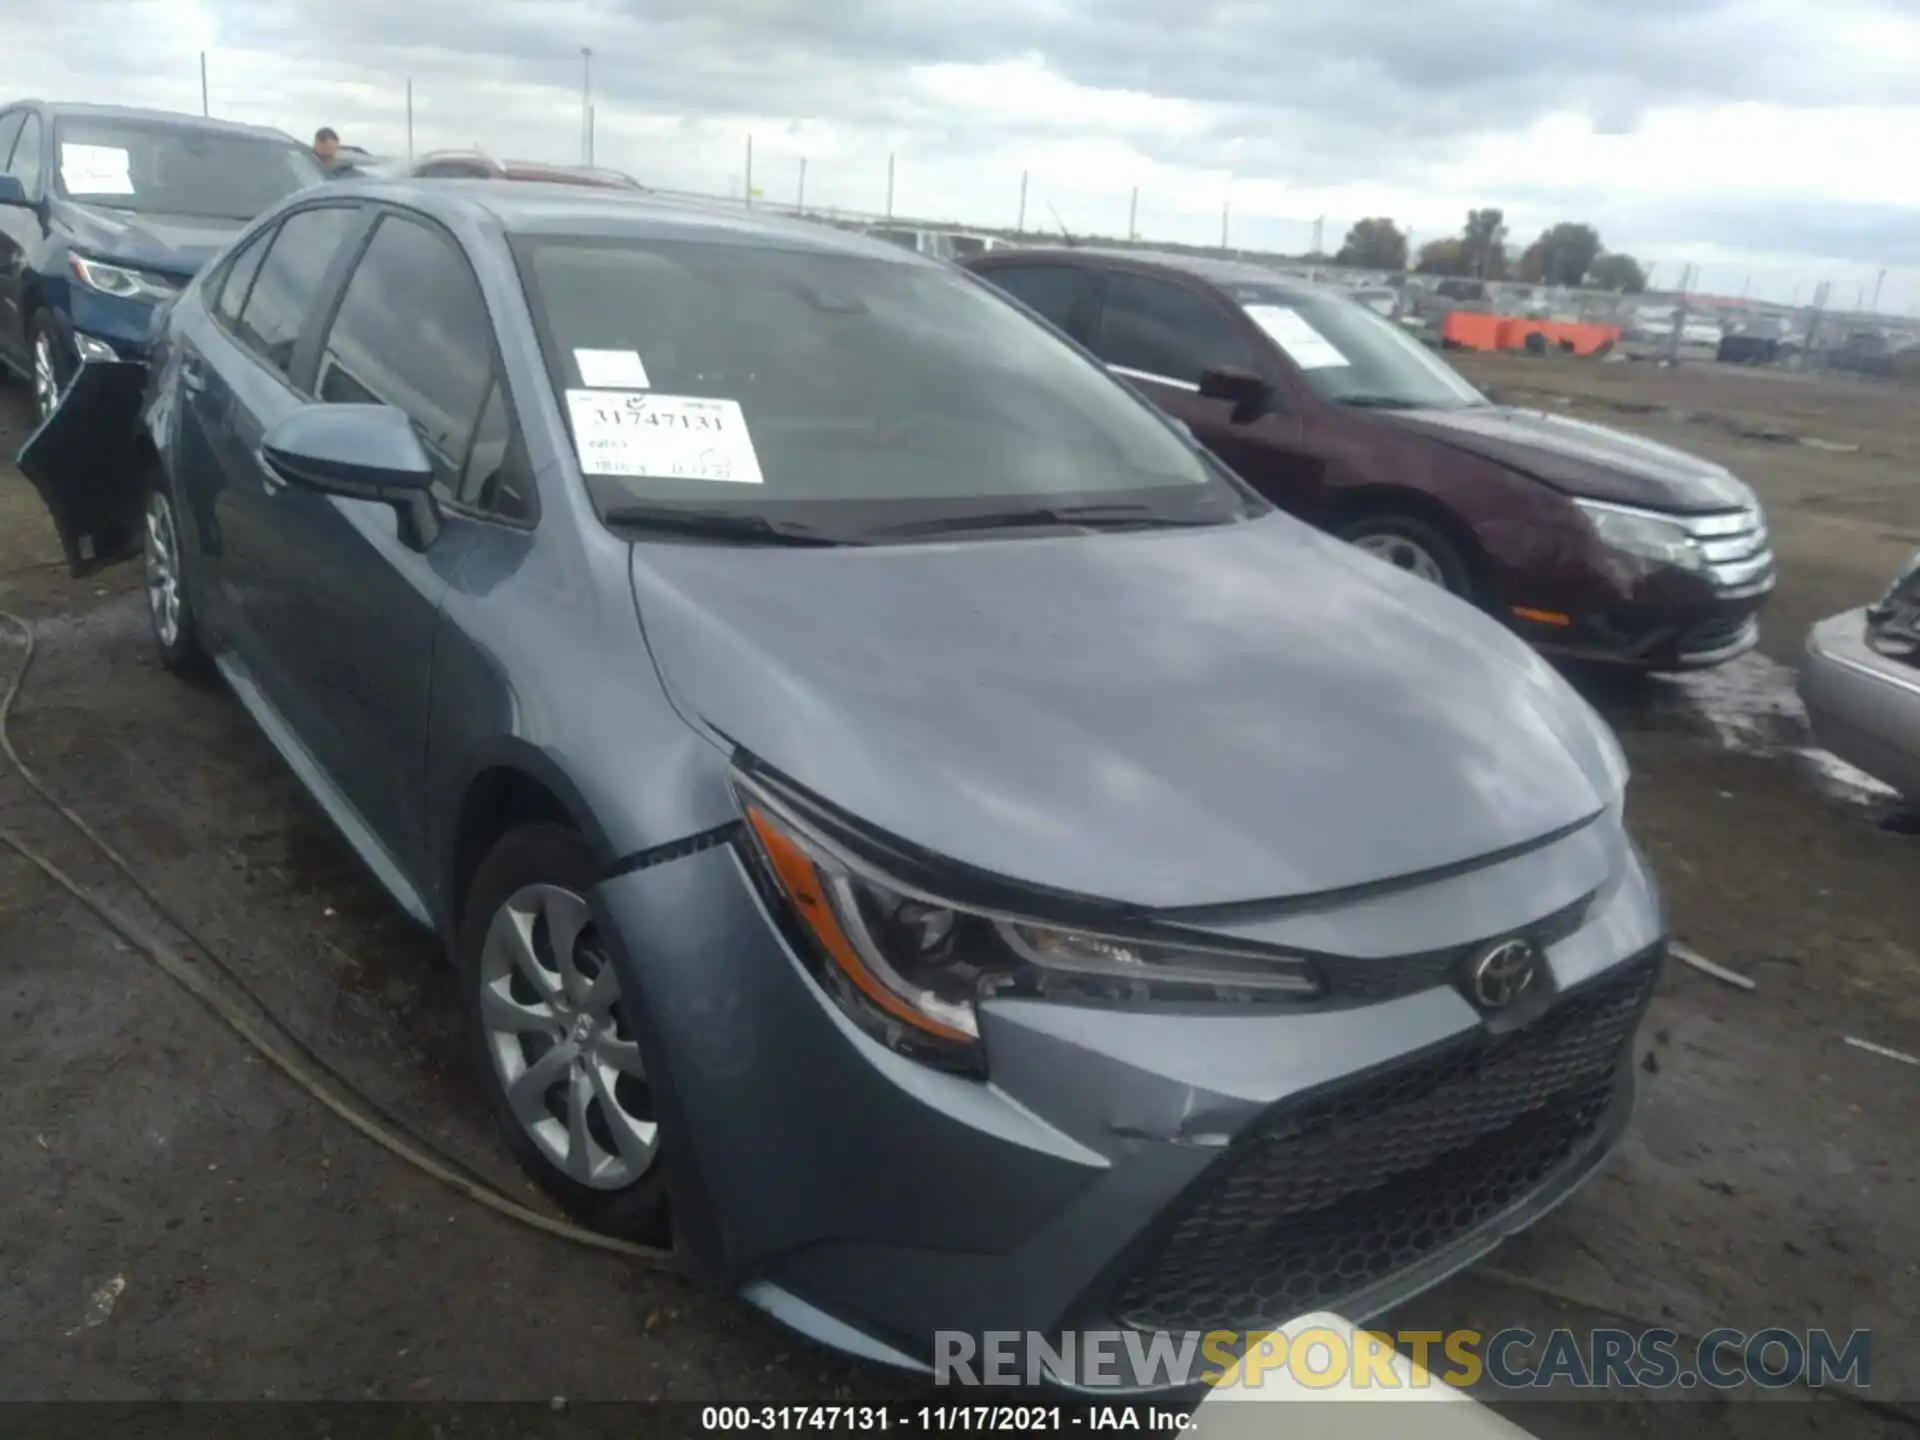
{"x":1643,"y":535}
{"x":910,"y":967}
{"x":121,"y":281}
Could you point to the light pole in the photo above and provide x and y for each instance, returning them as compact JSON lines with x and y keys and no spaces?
{"x":800,"y":195}
{"x":586,"y":104}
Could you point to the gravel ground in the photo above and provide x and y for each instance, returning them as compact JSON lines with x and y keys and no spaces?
{"x":256,"y":1248}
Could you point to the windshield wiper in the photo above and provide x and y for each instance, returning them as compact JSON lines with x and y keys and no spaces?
{"x":1103,"y":517}
{"x":717,"y":524}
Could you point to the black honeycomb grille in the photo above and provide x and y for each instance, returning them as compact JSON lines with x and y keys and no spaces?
{"x":1328,"y":1197}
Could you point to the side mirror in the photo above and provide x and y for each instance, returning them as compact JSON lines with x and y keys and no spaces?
{"x":358,"y":452}
{"x":1250,"y":396}
{"x":12,"y":192}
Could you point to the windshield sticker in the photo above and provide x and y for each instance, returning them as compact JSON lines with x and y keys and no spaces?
{"x":611,"y":370}
{"x":96,"y":170}
{"x":662,"y":437}
{"x":1294,"y":333}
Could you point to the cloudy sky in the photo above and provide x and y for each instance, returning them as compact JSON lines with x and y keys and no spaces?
{"x":1769,"y":142}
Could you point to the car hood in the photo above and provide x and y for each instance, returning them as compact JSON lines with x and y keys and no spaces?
{"x":173,"y":244}
{"x":1579,"y":458}
{"x":1156,"y":719}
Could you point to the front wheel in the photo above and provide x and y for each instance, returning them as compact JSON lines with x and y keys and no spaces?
{"x":557,"y":1052}
{"x":1415,"y":546}
{"x":51,"y":367}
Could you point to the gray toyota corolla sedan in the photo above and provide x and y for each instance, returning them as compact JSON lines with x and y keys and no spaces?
{"x":900,"y":811}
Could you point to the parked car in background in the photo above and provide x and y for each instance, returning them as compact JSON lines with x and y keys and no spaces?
{"x":1860,"y":681}
{"x":106,"y":213}
{"x":1588,"y":541}
{"x":904,"y":815}
{"x":477,"y":165}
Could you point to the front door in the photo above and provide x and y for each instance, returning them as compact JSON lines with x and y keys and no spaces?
{"x":357,"y":605}
{"x":20,"y":232}
{"x":1160,"y":336}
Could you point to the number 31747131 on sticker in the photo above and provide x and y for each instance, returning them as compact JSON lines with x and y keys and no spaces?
{"x":664,"y":437}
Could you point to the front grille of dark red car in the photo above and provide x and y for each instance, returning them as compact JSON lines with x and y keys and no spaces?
{"x":1327,"y":1197}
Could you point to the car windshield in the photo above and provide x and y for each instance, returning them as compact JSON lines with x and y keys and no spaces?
{"x":1352,"y":355}
{"x":848,"y":393}
{"x":152,"y":168}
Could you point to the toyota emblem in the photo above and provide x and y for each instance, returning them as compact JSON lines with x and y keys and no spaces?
{"x":1501,"y":973}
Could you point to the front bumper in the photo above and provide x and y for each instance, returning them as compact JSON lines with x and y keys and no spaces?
{"x":1863,"y":706}
{"x":1622,"y":612}
{"x":1124,"y":1168}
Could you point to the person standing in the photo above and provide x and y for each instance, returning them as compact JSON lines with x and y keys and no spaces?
{"x":326,"y":146}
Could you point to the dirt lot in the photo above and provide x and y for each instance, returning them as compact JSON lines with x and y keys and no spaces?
{"x":254,"y":1247}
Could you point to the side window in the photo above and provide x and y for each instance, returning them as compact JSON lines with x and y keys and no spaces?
{"x":276,"y":306}
{"x":1164,"y":329}
{"x":27,"y":164}
{"x":413,"y":332}
{"x":231,"y":285}
{"x":9,"y":128}
{"x":1054,"y":291}
{"x":490,"y":480}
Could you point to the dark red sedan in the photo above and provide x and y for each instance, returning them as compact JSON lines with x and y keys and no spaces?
{"x":1589,"y":541}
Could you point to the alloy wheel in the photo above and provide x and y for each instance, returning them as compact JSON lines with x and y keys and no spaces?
{"x":46,"y":378}
{"x":562,"y":1049}
{"x":1404,"y":554}
{"x":161,"y":553}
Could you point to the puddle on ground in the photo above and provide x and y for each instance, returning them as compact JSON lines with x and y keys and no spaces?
{"x":1752,"y":705}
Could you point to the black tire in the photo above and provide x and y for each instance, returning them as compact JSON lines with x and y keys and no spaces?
{"x":64,"y":361}
{"x":181,"y":652}
{"x":553,"y":855}
{"x":1456,"y":573}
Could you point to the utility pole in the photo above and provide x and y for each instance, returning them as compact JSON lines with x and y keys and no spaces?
{"x":1133,"y":215}
{"x":586,"y":104}
{"x":409,"y":117}
{"x":1820,"y":293}
{"x":1225,"y":209}
{"x":1879,"y":280}
{"x":800,"y":195}
{"x":889,"y":184}
{"x":1679,"y":316}
{"x":749,"y":169}
{"x":203,"y":84}
{"x":1021,"y":223}
{"x":1319,"y":234}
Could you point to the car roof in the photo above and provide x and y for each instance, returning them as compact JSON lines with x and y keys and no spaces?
{"x":1214,"y":271}
{"x":522,"y":207}
{"x":176,"y":119}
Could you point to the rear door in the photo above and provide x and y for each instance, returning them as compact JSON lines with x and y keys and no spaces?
{"x":236,"y":378}
{"x":1161,"y":335}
